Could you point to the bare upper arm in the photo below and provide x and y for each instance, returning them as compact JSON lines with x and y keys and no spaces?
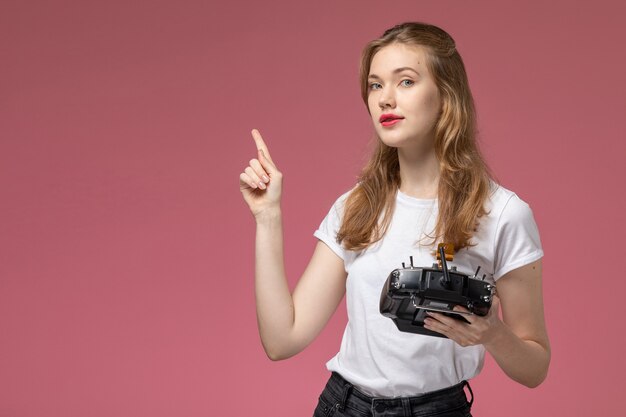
{"x":317,"y":295}
{"x":521,"y":300}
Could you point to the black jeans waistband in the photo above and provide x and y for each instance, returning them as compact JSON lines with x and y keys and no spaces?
{"x":344,"y":394}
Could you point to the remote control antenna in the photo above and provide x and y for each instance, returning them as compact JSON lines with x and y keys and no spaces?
{"x":476,"y":273}
{"x":411,"y":261}
{"x":444,"y":265}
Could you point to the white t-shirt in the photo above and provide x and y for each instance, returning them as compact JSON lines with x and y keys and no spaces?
{"x":375,"y":356}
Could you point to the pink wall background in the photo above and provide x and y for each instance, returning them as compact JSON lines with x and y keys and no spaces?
{"x":126,"y":250}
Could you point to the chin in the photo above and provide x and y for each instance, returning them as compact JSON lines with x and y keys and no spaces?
{"x":402,"y":141}
{"x":390,"y":144}
{"x":393,"y":142}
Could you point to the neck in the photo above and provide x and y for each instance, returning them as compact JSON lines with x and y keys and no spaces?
{"x":419,"y":172}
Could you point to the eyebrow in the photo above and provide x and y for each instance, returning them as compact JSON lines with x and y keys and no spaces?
{"x":397,"y":70}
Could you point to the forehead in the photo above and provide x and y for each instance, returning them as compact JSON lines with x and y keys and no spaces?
{"x":398,"y":55}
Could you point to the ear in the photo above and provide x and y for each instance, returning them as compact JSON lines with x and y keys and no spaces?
{"x":443,"y":101}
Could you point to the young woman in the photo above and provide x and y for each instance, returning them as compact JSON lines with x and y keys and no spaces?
{"x":425,"y":183}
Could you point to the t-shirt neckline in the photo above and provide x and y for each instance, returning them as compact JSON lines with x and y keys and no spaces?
{"x":418,"y":202}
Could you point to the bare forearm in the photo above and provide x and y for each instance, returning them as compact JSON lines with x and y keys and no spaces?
{"x":525,"y":361}
{"x":275,"y":311}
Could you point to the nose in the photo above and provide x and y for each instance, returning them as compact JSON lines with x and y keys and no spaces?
{"x":387,"y":98}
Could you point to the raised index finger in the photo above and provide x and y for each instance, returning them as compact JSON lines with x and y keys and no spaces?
{"x":260,"y":144}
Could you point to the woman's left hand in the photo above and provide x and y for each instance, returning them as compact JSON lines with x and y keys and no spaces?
{"x":479,"y":331}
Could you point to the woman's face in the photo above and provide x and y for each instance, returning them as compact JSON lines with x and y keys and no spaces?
{"x":401,"y":86}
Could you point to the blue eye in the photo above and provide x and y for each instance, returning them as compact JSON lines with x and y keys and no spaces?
{"x":410,"y":81}
{"x":373,"y":86}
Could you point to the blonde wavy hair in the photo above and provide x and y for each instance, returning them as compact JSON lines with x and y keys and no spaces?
{"x":464,"y":183}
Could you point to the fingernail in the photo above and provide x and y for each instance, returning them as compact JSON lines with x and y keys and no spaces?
{"x":265,"y":178}
{"x":262,"y":185}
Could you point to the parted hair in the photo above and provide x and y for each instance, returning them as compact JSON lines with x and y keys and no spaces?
{"x":464,"y":182}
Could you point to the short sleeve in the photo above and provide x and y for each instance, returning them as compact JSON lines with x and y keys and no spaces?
{"x":517,"y":240}
{"x":327,"y":231}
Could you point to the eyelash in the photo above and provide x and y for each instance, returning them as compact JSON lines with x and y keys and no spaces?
{"x":371,"y":86}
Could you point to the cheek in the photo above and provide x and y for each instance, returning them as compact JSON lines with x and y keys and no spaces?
{"x":371,"y":104}
{"x":435,"y":102}
{"x":372,"y":111}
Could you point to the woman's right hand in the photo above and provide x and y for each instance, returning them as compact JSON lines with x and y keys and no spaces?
{"x":261,"y":182}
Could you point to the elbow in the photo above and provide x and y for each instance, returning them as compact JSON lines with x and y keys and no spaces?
{"x":538,"y":380}
{"x":530,"y":381}
{"x":533,"y":381}
{"x":279,"y":350}
{"x":538,"y":372}
{"x":277,"y":354}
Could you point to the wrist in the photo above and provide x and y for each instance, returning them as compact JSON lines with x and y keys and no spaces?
{"x":497,"y":335}
{"x":269,"y":215}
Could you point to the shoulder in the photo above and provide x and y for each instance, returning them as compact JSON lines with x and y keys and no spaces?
{"x":331,"y":224}
{"x":340,"y":202}
{"x":336,"y":212}
{"x":506,"y":206}
{"x":516,"y":237}
{"x":343,"y":197}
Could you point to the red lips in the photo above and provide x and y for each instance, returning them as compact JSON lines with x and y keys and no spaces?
{"x":388,"y":117}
